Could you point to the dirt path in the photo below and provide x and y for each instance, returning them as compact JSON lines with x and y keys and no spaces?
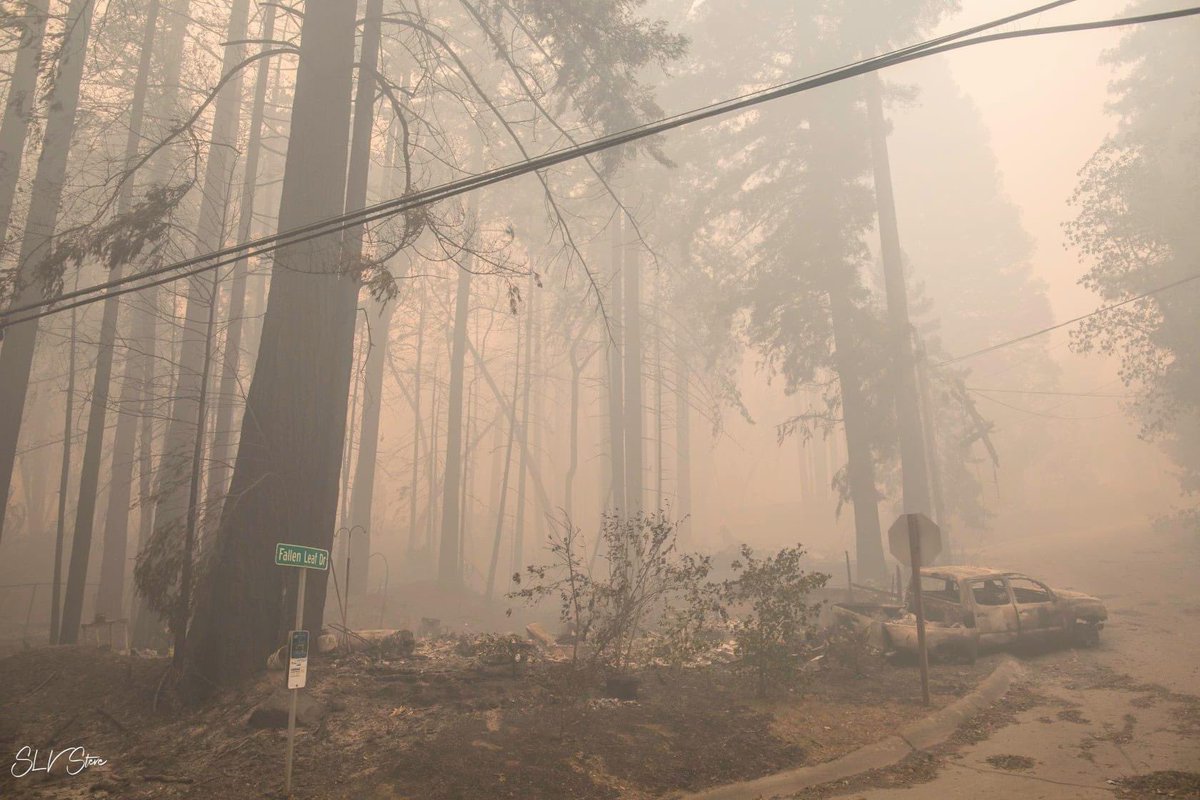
{"x":1087,"y":718}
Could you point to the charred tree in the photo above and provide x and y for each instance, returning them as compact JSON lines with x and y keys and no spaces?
{"x":359,"y":503}
{"x":16,"y":352}
{"x":110,"y":596}
{"x":634,"y":490}
{"x":18,"y":108}
{"x":518,"y":549}
{"x":615,"y":383}
{"x":449,"y":555}
{"x":226,"y":399}
{"x":176,"y":464}
{"x":285,"y":478}
{"x":904,"y":380}
{"x":414,"y":485}
{"x":64,"y":481}
{"x":363,"y":493}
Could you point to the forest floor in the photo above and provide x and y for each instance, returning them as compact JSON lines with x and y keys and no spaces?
{"x":440,"y":724}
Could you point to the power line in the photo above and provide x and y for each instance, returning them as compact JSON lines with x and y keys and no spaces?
{"x":1047,"y":393}
{"x":264,"y":244}
{"x":1101,"y":310}
{"x":395,"y":206}
{"x":1046,"y":413}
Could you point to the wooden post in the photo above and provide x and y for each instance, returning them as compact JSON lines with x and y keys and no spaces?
{"x":849,"y":580}
{"x":914,"y":544}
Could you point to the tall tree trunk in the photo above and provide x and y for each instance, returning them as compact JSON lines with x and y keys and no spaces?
{"x":465,"y":494}
{"x":508,"y":449}
{"x":449,"y":556}
{"x":518,"y":551}
{"x":635,"y":495}
{"x":148,"y":629}
{"x":176,"y":462}
{"x":356,"y":199}
{"x":658,"y":402}
{"x":18,"y":109}
{"x":431,"y":462}
{"x":64,"y":481}
{"x":363,"y":493}
{"x":573,"y":430}
{"x":414,"y":486}
{"x":536,"y":431}
{"x":16,"y":352}
{"x":859,"y":461}
{"x":226,"y":399}
{"x":183,"y":608}
{"x":683,"y":434}
{"x":616,"y":383}
{"x":286,"y":474}
{"x":904,"y":382}
{"x":110,"y":596}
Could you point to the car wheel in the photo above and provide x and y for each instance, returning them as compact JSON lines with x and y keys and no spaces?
{"x":1086,"y":634}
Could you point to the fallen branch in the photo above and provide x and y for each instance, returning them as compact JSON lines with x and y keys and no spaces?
{"x":42,"y":685}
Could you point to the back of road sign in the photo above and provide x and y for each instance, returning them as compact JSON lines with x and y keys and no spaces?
{"x":298,"y":660}
{"x":930,"y":537}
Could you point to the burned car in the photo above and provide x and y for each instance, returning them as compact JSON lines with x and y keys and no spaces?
{"x":968,"y":609}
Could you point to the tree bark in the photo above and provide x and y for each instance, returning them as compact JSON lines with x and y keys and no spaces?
{"x":908,"y":405}
{"x":683,"y":434}
{"x":359,"y":503}
{"x":635,"y":496}
{"x":518,"y":552}
{"x":615,"y":382}
{"x":508,"y":449}
{"x":859,"y":462}
{"x":414,"y":485}
{"x":176,"y":461}
{"x":18,"y":109}
{"x":449,"y":556}
{"x":64,"y":480}
{"x":148,"y":629}
{"x":16,"y":352}
{"x":110,"y":596}
{"x":363,"y":494}
{"x":285,"y":478}
{"x":226,"y":399}
{"x":573,"y":429}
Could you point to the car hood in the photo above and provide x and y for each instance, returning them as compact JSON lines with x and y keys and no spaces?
{"x":1081,"y":602}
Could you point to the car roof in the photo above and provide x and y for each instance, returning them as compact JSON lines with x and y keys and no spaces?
{"x":961,"y":573}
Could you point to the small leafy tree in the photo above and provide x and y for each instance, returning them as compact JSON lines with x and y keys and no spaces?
{"x":777,"y":619}
{"x":565,"y":579}
{"x":646,"y":585}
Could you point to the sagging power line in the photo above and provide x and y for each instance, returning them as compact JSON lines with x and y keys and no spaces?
{"x":203,"y":263}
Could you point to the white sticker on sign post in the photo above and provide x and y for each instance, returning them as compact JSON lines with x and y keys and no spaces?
{"x":298,"y":660}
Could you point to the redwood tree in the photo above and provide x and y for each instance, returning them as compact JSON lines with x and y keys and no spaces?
{"x":285,"y":478}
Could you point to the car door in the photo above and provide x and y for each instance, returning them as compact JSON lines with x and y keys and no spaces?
{"x":992,"y":610}
{"x":1038,"y":613}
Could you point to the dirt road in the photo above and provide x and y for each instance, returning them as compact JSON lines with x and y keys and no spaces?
{"x":1086,"y":719}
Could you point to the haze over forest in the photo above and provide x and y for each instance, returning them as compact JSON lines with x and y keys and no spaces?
{"x":962,"y":285}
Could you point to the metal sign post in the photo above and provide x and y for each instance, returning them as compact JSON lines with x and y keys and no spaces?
{"x":912,"y":538}
{"x":914,"y":544}
{"x":306,"y":558}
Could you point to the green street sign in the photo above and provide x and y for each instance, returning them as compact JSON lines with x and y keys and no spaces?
{"x":294,"y":555}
